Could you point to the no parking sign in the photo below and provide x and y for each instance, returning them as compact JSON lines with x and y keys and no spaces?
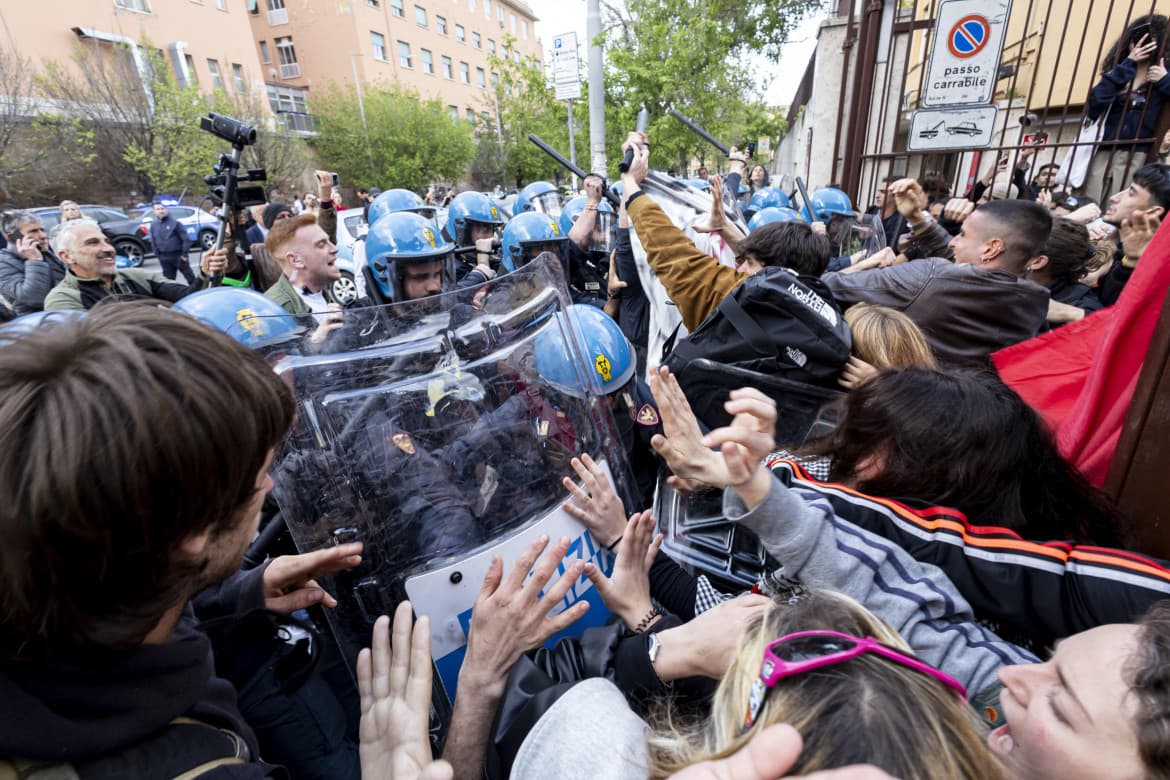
{"x":969,"y":36}
{"x":965,"y":52}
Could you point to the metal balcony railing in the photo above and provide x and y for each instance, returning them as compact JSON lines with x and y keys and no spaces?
{"x":290,"y":70}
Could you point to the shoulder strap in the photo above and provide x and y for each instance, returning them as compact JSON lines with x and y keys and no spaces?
{"x":747,"y":328}
{"x":184,"y":749}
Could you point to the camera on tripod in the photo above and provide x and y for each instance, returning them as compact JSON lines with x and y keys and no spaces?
{"x":224,"y":183}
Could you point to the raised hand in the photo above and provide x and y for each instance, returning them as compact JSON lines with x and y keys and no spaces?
{"x":289,"y":582}
{"x":394,"y":682}
{"x":627,"y":590}
{"x":595,"y":503}
{"x":681,"y":442}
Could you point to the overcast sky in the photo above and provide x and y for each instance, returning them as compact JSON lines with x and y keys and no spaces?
{"x":562,"y":16}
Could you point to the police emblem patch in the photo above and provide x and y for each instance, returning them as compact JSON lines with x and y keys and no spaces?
{"x":556,"y":229}
{"x":402,"y":441}
{"x":647,"y":416}
{"x":429,"y":235}
{"x":602,"y":364}
{"x":250,"y":322}
{"x":495,"y":214}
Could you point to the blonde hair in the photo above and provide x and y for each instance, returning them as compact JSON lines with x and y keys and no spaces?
{"x":887,"y":338}
{"x":867,"y":710}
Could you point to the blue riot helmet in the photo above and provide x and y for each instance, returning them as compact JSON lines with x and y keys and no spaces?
{"x":527,"y":235}
{"x":768,"y":196}
{"x":250,"y":318}
{"x":472,"y":212}
{"x":405,"y":255}
{"x":826,"y":202}
{"x":608,"y":357}
{"x":539,"y":196}
{"x":770,"y":214}
{"x":603,"y":239}
{"x":393,"y":201}
{"x":27,"y":323}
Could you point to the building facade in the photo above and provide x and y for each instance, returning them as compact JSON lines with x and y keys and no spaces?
{"x":206,"y":42}
{"x":440,"y":48}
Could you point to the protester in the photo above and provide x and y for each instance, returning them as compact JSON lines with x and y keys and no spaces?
{"x":882,"y":338}
{"x":1128,"y":99}
{"x":1136,"y":212}
{"x":979,"y":303}
{"x":101,"y":658}
{"x":1064,"y":261}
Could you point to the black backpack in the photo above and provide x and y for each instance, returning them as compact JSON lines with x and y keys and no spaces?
{"x":776,"y":323}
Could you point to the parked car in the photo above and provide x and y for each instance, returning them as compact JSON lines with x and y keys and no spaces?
{"x":201,"y":227}
{"x":122,"y":231}
{"x":351,"y":286}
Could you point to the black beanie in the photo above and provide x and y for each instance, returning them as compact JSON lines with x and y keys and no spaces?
{"x":271,"y":212}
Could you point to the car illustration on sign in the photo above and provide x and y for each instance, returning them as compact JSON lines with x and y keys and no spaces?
{"x":965,"y":128}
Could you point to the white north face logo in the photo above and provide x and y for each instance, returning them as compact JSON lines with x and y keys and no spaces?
{"x":796,"y":356}
{"x":814,"y":302}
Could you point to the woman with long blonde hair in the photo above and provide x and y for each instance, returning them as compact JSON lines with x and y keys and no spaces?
{"x":873,"y":704}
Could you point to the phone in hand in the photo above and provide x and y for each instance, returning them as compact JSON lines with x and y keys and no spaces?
{"x":336,"y":179}
{"x":750,"y":148}
{"x":1039,"y":138}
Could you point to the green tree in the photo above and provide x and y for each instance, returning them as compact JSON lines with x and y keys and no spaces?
{"x":411,"y":142}
{"x":528,"y":104}
{"x":489,"y":167}
{"x":692,"y":56}
{"x":145,"y":126}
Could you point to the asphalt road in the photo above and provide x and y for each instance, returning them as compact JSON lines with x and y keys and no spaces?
{"x":151,"y":262}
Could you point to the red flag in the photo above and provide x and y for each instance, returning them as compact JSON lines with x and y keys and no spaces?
{"x":1081,"y":377}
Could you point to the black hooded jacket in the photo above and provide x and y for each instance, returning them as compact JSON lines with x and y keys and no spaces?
{"x":80,"y":708}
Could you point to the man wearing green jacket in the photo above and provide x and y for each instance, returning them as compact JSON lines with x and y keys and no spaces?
{"x":93,"y":274}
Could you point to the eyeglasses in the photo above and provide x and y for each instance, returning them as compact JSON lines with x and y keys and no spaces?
{"x":797,"y":653}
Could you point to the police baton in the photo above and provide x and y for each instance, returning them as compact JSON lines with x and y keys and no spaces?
{"x":612,"y":197}
{"x":804,"y":197}
{"x":628,"y":160}
{"x":700,"y":132}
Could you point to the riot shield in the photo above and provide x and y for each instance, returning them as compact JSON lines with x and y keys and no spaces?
{"x":425,"y":430}
{"x":698,"y":535}
{"x":851,"y":235}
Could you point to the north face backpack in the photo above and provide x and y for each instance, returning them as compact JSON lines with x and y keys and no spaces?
{"x":775,"y":323}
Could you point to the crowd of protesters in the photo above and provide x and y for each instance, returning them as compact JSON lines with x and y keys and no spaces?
{"x":947,"y":594}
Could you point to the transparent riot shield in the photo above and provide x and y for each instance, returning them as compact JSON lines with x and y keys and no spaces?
{"x":851,"y":235}
{"x":698,"y":535}
{"x":425,"y":430}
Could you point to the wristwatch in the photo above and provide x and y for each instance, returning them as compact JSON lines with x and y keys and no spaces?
{"x":654,"y":644}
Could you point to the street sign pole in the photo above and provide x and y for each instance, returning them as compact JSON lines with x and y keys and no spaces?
{"x":572,"y":147}
{"x":567,"y":83}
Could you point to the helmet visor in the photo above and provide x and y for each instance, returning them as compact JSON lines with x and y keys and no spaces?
{"x":558,"y":247}
{"x":549,"y":203}
{"x":603,"y":239}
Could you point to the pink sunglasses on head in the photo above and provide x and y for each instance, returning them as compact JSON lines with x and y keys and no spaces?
{"x":796,"y":653}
